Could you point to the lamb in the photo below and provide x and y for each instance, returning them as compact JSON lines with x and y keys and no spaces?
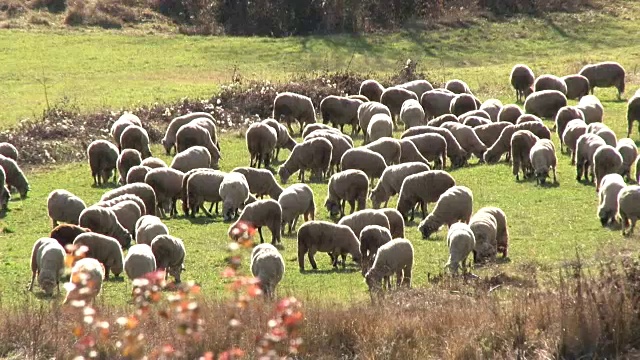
{"x":433,"y":147}
{"x":192,"y":135}
{"x":443,"y":119}
{"x":126,"y":120}
{"x":314,"y":154}
{"x":436,"y":102}
{"x":380,"y":126}
{"x":574,"y":129}
{"x":169,"y":140}
{"x":137,"y":173}
{"x":105,"y":249}
{"x":467,"y":139}
{"x":628,"y":200}
{"x":370,"y":162}
{"x":63,"y":206}
{"x":195,"y":157}
{"x":347,"y":186}
{"x":167,"y":186}
{"x":336,"y":239}
{"x":127,"y":159}
{"x":141,"y":190}
{"x":170,"y":254}
{"x":289,"y":107}
{"x":455,"y":204}
{"x":606,"y":160}
{"x":409,"y":153}
{"x":485,"y":229}
{"x":456,"y":154}
{"x":396,"y":222}
{"x":148,"y":227}
{"x":389,"y":148}
{"x":462,"y":103}
{"x":524,"y":118}
{"x":294,"y":201}
{"x":88,"y":273}
{"x":262,"y":213}
{"x":359,"y":219}
{"x":14,"y":177}
{"x":545,"y":103}
{"x":267,"y":265}
{"x":340,"y":111}
{"x":549,"y":82}
{"x":394,"y":97}
{"x":8,"y":150}
{"x":577,"y":86}
{"x":394,"y":257}
{"x":391,"y":181}
{"x":153,"y":162}
{"x":47,"y":262}
{"x":417,"y":86}
{"x":368,"y":110}
{"x":457,"y":87}
{"x":473,"y":121}
{"x":371,"y":89}
{"x":542,"y":157}
{"x":522,"y":80}
{"x":285,"y":141}
{"x":371,"y":238}
{"x":139,"y":261}
{"x":605,"y":74}
{"x":135,"y":137}
{"x":489,"y":134}
{"x":461,"y":242}
{"x":200,"y":186}
{"x":104,"y":221}
{"x":521,"y":143}
{"x":586,"y":147}
{"x":492,"y":107}
{"x":261,"y":143}
{"x":340,"y":144}
{"x":610,"y":187}
{"x":66,"y":233}
{"x":564,"y":115}
{"x":423,"y":188}
{"x":412,"y":114}
{"x":629,"y":152}
{"x":261,"y":182}
{"x":592,"y":109}
{"x":510,"y":113}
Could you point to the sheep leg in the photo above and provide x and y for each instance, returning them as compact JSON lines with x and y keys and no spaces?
{"x":343,"y":204}
{"x":293,"y":224}
{"x":344,"y":260}
{"x":106,"y":272}
{"x":555,"y":179}
{"x":208,"y":213}
{"x":633,"y":225}
{"x":312,"y":260}
{"x":301,"y":252}
{"x":387,"y":282}
{"x":352,"y":204}
{"x":33,"y":278}
{"x":406,"y":280}
{"x":423,"y":206}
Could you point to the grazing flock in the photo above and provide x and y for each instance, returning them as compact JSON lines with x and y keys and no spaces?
{"x":443,"y":129}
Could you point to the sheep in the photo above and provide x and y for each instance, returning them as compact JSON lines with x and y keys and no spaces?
{"x":141,"y":190}
{"x":545,"y":103}
{"x":340,"y":111}
{"x":310,"y":128}
{"x":606,"y":160}
{"x":521,"y":143}
{"x":137,"y":173}
{"x":564,"y":115}
{"x":473,"y":121}
{"x":371,"y":238}
{"x":394,"y":97}
{"x":412,"y":114}
{"x":436,"y":102}
{"x":456,"y":154}
{"x":474,"y":113}
{"x":502,"y":231}
{"x":462,"y":103}
{"x":192,"y":135}
{"x":371,"y":89}
{"x":135,"y":137}
{"x":432,"y":146}
{"x":489,"y":134}
{"x":549,"y":82}
{"x":127,"y":159}
{"x":267,"y":265}
{"x":359,"y":219}
{"x":153,"y":162}
{"x":47,"y":262}
{"x":423,"y":188}
{"x":350,"y":186}
{"x":200,"y":186}
{"x":284,"y":138}
{"x":14,"y":177}
{"x":289,"y":107}
{"x":592,"y":109}
{"x":370,"y":162}
{"x":88,"y":273}
{"x":455,"y":204}
{"x":577,"y":86}
{"x":336,"y":239}
{"x":457,"y":87}
{"x":5,"y":193}
{"x":485,"y":229}
{"x":574,"y":129}
{"x":528,"y":118}
{"x":208,"y":124}
{"x":8,"y":150}
{"x":261,"y":142}
{"x":294,"y":201}
{"x":147,"y":227}
{"x":66,"y":233}
{"x":606,"y":134}
{"x":503,"y":143}
{"x":167,"y":186}
{"x":510,"y":113}
{"x":64,"y":206}
{"x":542,"y":157}
{"x":467,"y":139}
{"x":262,"y":213}
{"x":492,"y":107}
{"x":633,"y":111}
{"x":314,"y":154}
{"x":380,"y":126}
{"x":261,"y":182}
{"x":104,"y":221}
{"x":194,"y":157}
{"x":461,"y":242}
{"x":586,"y":147}
{"x":126,"y":197}
{"x":368,"y":110}
{"x":105,"y":249}
{"x":389,"y":148}
{"x":340,"y":144}
{"x":605,"y":74}
{"x":394,"y":257}
{"x":127,"y":212}
{"x":629,"y":152}
{"x":628,"y":200}
{"x":522,"y":80}
{"x":391,"y":181}
{"x":396,"y":222}
{"x":417,"y":86}
{"x":610,"y":187}
{"x":443,"y":119}
{"x":409,"y":153}
{"x":169,"y":139}
{"x":234,"y":192}
{"x":122,"y":123}
{"x":139,"y":261}
{"x":170,"y":253}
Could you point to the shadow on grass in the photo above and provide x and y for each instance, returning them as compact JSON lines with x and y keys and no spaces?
{"x":109,"y":185}
{"x":338,"y":270}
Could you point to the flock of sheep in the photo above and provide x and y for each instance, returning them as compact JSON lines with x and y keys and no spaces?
{"x":441,"y":124}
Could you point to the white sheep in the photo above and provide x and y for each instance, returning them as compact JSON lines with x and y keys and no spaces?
{"x":289,"y":107}
{"x":169,"y":139}
{"x":194,"y":157}
{"x":572,"y":132}
{"x":148,"y":227}
{"x":633,"y":111}
{"x":409,"y":153}
{"x":371,"y":89}
{"x":433,"y":147}
{"x":261,"y":182}
{"x":153,"y":163}
{"x":492,"y":107}
{"x":390,"y":149}
{"x":550,"y":82}
{"x":193,"y":134}
{"x":463,"y":103}
{"x":234,"y":192}
{"x":47,"y":262}
{"x":8,"y":150}
{"x":261,"y":143}
{"x":564,"y":115}
{"x":371,"y":238}
{"x":349,"y":186}
{"x":436,"y":102}
{"x":136,"y":137}
{"x":586,"y":147}
{"x":371,"y":163}
{"x":422,"y":188}
{"x":521,"y":143}
{"x":335,"y":239}
{"x":296,"y":200}
{"x":629,"y":151}
{"x":394,"y":257}
{"x":141,"y":190}
{"x":467,"y":138}
{"x":417,"y":86}
{"x":170,"y":253}
{"x":605,"y":74}
{"x":124,"y":121}
{"x":5,"y":194}
{"x":485,"y":230}
{"x":545,"y":103}
{"x":359,"y":219}
{"x":200,"y":186}
{"x":88,"y":273}
{"x":396,"y":222}
{"x":104,"y":221}
{"x":139,"y":261}
{"x":127,"y":159}
{"x":543,"y":157}
{"x":340,"y":111}
{"x":14,"y":177}
{"x":592,"y":109}
{"x":461,"y":242}
{"x":105,"y":249}
{"x":340,"y":144}
{"x":412,"y":114}
{"x":521,"y":79}
{"x":63,"y":206}
{"x":284,"y":138}
{"x":380,"y":125}
{"x":267,"y":265}
{"x":137,"y":173}
{"x":628,"y":209}
{"x":608,"y":198}
{"x":258,"y":214}
{"x":455,"y":204}
{"x":577,"y":86}
{"x":366,"y":111}
{"x":393,"y":97}
{"x":510,"y":113}
{"x":167,"y":185}
{"x":314,"y":154}
{"x":606,"y":160}
{"x":391,"y":181}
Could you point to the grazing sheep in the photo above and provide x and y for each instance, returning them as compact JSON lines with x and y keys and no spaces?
{"x":606,"y":160}
{"x":141,"y":190}
{"x":633,"y":111}
{"x":125,"y":120}
{"x":443,"y":119}
{"x":417,"y":86}
{"x":366,"y":111}
{"x":105,"y":249}
{"x":473,"y":121}
{"x":359,"y":219}
{"x":524,"y":118}
{"x":5,"y":193}
{"x":610,"y":187}
{"x":340,"y":143}
{"x":193,"y":134}
{"x":474,"y":113}
{"x":605,"y":74}
{"x":294,"y":201}
{"x":91,"y":272}
{"x":577,"y":86}
{"x":8,"y":150}
{"x":261,"y":143}
{"x":167,"y":185}
{"x":628,"y":200}
{"x":502,"y":231}
{"x":153,"y":162}
{"x":510,"y":113}
{"x":455,"y":204}
{"x":394,"y":97}
{"x":371,"y":238}
{"x":234,"y":192}
{"x":380,"y":126}
{"x":394,"y":257}
{"x":412,"y":114}
{"x":347,"y":186}
{"x":462,"y":103}
{"x":503,"y":143}
{"x":409,"y":153}
{"x":127,"y":212}
{"x":262,"y":213}
{"x":169,"y":139}
{"x":104,"y":221}
{"x":66,"y":233}
{"x":521,"y":143}
{"x":564,"y":115}
{"x":371,"y":89}
{"x":542,"y":157}
{"x":467,"y":138}
{"x":127,"y":159}
{"x":340,"y":111}
{"x":461,"y":242}
{"x":606,"y":134}
{"x":200,"y":186}
{"x":261,"y":182}
{"x":47,"y":262}
{"x":485,"y":229}
{"x":389,"y":148}
{"x":586,"y":147}
{"x":492,"y":107}
{"x":436,"y":102}
{"x":135,"y":137}
{"x":314,"y":154}
{"x":522,"y":80}
{"x":195,"y":157}
{"x":370,"y":162}
{"x":456,"y":154}
{"x":210,"y":126}
{"x":432,"y":147}
{"x":267,"y":265}
{"x":592,"y":109}
{"x":310,"y":128}
{"x":289,"y":107}
{"x":549,"y":82}
{"x":63,"y":206}
{"x":489,"y":134}
{"x":335,"y":239}
{"x":457,"y":86}
{"x":139,"y":261}
{"x":396,"y":222}
{"x":170,"y":253}
{"x":14,"y":177}
{"x":391,"y":181}
{"x":574,"y":129}
{"x":545,"y":103}
{"x":126,"y":197}
{"x":148,"y":227}
{"x":285,"y":141}
{"x":423,"y":188}
{"x":137,"y":173}
{"x":629,"y":151}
